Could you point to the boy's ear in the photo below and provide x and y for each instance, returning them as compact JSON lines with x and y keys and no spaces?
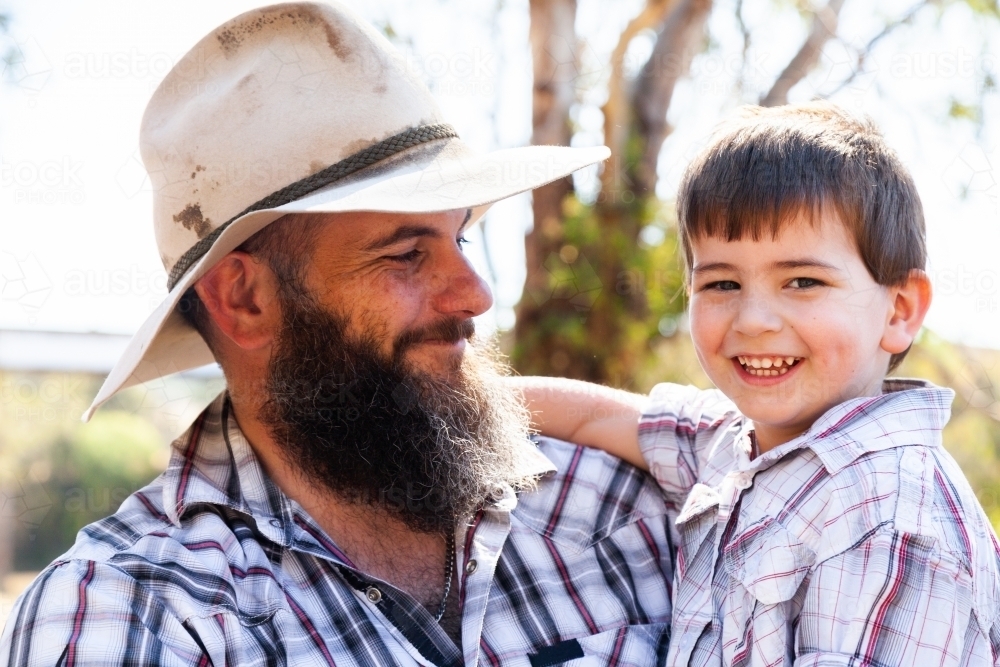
{"x":908,"y":308}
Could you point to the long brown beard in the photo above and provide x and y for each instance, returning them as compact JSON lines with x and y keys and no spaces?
{"x":380,"y":434}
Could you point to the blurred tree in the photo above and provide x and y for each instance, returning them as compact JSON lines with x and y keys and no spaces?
{"x":604,"y":285}
{"x":88,"y":473}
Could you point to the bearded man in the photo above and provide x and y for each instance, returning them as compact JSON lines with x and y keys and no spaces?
{"x":364,"y":492}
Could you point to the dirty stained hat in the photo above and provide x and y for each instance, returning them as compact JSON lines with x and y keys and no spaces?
{"x":291,"y":108}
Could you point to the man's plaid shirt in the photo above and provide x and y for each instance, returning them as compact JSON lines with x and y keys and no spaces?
{"x":858,"y":543}
{"x":212,"y":565}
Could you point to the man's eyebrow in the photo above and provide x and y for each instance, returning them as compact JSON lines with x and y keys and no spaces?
{"x":402,"y":233}
{"x":405,"y":232}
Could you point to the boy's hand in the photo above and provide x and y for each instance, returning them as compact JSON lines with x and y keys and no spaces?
{"x":585,"y":414}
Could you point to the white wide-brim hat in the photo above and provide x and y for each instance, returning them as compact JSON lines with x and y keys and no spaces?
{"x":297,"y":108}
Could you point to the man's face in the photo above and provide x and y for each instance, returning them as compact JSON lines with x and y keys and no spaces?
{"x":373,"y":390}
{"x":403,"y":281}
{"x":788,"y":327}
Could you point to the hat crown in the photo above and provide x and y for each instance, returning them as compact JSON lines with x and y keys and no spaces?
{"x":265,"y":100}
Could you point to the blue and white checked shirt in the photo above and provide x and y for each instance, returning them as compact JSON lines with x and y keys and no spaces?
{"x":858,"y":543}
{"x":212,"y":565}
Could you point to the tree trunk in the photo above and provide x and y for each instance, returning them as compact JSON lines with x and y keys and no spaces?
{"x":554,"y":54}
{"x":680,"y":40}
{"x":575,"y":318}
{"x":824,"y":26}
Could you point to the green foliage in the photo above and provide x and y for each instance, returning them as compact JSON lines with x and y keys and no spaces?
{"x":983,"y":7}
{"x":973,"y":434}
{"x":85,"y":475}
{"x":614,"y":289}
{"x":961,"y":111}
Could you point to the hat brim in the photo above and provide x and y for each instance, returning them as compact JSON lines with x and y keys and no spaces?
{"x":443,"y":177}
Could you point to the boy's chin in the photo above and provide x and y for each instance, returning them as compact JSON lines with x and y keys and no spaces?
{"x":780,"y":417}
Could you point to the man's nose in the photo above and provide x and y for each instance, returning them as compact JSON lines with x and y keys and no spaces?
{"x":459,"y":290}
{"x":756,"y":315}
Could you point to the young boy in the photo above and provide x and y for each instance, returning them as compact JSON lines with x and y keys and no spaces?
{"x":820,"y":521}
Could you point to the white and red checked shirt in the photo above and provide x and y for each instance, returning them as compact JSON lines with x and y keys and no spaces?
{"x":211,"y":564}
{"x":858,"y":543}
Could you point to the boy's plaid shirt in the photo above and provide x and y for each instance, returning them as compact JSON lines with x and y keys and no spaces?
{"x":212,"y":565}
{"x":858,"y":543}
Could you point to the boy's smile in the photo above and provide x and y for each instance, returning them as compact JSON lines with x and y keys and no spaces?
{"x":788,"y":327}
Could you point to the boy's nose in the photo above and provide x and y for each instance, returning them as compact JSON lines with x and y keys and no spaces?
{"x":755,"y":316}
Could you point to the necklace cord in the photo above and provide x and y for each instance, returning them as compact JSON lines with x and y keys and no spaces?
{"x":449,"y":572}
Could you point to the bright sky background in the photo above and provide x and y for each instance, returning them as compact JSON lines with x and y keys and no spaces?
{"x":76,"y":244}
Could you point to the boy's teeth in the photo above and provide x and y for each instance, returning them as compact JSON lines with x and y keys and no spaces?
{"x":767,"y":366}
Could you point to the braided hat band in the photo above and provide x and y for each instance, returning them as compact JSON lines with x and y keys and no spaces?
{"x":397,"y":143}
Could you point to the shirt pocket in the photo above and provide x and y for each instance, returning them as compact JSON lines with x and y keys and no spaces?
{"x":768,"y":565}
{"x":631,"y":645}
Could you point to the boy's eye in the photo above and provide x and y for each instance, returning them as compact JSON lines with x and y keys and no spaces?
{"x":805,"y":283}
{"x":722,"y":286}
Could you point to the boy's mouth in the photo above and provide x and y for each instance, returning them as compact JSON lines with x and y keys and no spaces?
{"x":767,"y":366}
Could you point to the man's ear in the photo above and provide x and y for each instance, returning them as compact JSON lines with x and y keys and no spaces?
{"x":908,"y":308}
{"x":239,"y":294}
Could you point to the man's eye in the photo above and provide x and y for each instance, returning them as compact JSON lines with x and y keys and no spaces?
{"x":804,"y":283}
{"x":462,"y":241}
{"x":722,"y":286}
{"x":405,"y":258}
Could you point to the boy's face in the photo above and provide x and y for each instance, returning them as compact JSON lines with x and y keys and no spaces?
{"x":791,"y":326}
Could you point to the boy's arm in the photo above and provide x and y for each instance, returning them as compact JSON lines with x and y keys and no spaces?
{"x":585,"y":414}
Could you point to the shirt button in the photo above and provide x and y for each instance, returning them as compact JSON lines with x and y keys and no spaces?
{"x":743,"y":481}
{"x":471,"y":566}
{"x":374,"y":595}
{"x":275,"y":523}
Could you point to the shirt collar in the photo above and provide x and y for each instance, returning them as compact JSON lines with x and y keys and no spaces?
{"x":214,"y":464}
{"x":907,"y":412}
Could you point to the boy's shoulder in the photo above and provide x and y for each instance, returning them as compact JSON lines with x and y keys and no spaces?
{"x":909,"y":505}
{"x":880,"y":463}
{"x":916,"y":490}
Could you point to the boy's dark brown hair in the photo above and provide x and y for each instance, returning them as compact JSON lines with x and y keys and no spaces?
{"x":768,"y":165}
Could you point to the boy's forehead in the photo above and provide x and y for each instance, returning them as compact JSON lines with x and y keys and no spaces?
{"x":804,"y":234}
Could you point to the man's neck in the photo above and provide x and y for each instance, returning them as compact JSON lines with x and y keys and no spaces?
{"x":377,"y":543}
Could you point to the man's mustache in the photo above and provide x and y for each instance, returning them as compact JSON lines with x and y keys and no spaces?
{"x":448,"y":330}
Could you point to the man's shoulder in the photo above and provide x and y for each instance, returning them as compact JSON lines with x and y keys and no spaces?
{"x":590,"y":495}
{"x":207,"y":550}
